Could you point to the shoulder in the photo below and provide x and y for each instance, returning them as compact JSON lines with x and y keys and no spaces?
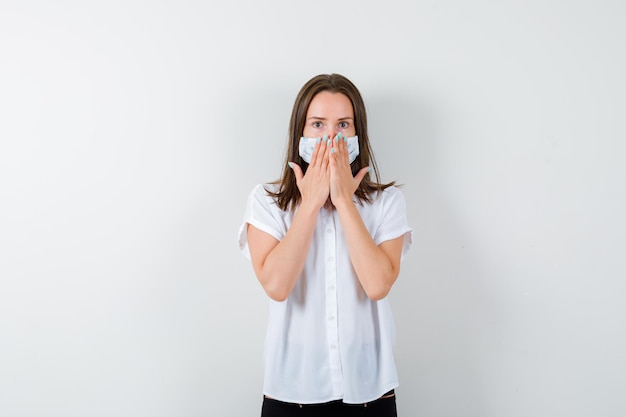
{"x":392,"y":191}
{"x":263,"y":190}
{"x":390,"y":195}
{"x":263,"y":195}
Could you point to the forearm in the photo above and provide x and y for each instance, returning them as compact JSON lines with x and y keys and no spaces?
{"x":281,"y":268}
{"x":374,"y":269}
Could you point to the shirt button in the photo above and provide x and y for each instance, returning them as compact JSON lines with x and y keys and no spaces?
{"x":333,"y":346}
{"x":332,"y":288}
{"x":331,"y":318}
{"x":329,"y":230}
{"x":330,"y":258}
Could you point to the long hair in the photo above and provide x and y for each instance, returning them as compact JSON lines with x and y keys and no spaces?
{"x":288,"y":195}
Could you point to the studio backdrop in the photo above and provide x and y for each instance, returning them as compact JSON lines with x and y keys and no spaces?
{"x":131,"y":133}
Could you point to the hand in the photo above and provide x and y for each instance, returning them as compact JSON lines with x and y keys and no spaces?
{"x":314,"y":186}
{"x":342,"y":183}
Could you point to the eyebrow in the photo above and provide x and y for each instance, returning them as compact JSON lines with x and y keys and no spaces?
{"x":323,"y":118}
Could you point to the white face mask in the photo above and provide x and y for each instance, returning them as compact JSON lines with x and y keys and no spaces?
{"x":308,"y":144}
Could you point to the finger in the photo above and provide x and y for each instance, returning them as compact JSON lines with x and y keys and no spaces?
{"x":361,"y":174}
{"x":332,"y":159}
{"x":332,"y":143}
{"x":314,"y":153}
{"x":297,"y":171}
{"x":327,"y":149}
{"x":340,"y":145}
{"x":322,"y":144}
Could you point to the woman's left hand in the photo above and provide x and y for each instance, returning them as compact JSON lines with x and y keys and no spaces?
{"x":342,"y":183}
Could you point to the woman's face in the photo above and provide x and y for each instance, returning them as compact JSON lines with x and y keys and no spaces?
{"x":329,"y":114}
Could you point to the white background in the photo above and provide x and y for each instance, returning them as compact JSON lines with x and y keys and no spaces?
{"x":132,"y":131}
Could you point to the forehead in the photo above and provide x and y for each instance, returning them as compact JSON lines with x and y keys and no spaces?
{"x":328,"y":103}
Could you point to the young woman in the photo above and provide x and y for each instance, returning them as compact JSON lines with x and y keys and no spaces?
{"x":326,"y":241}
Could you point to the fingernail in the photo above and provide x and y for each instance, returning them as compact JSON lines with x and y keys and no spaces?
{"x":290,"y":165}
{"x":369,"y":169}
{"x":328,"y":141}
{"x":325,"y":137}
{"x":339,"y":136}
{"x":332,"y":150}
{"x":318,"y":140}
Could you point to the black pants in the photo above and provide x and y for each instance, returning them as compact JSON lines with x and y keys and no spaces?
{"x":382,"y":407}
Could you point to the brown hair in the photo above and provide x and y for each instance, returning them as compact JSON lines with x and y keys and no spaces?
{"x":288,"y":195}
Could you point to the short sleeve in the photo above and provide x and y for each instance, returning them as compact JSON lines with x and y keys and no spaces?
{"x":394,"y":220}
{"x":262,"y":213}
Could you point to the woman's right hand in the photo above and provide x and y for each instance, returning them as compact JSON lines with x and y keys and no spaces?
{"x":314,"y":186}
{"x":279,"y":263}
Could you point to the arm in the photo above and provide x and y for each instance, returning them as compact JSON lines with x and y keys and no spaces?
{"x":278,"y":264}
{"x":376,"y":266}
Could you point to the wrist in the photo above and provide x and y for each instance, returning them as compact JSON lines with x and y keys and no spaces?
{"x":308,"y":207}
{"x":343,"y":203}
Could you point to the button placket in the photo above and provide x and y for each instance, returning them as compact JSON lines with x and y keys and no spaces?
{"x":332,"y":330}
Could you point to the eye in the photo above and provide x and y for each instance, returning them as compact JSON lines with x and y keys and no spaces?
{"x":317,"y":125}
{"x":344,"y":125}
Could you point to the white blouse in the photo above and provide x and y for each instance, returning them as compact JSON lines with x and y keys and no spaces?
{"x":328,"y":340}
